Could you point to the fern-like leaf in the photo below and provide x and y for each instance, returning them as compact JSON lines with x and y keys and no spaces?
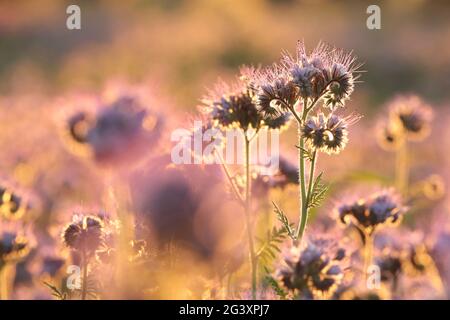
{"x":284,"y":221}
{"x":270,"y":246}
{"x":279,"y":291}
{"x":318,"y":192}
{"x":55,"y":292}
{"x":307,"y":154}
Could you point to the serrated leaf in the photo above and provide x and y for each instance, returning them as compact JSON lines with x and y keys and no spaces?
{"x":270,"y":246}
{"x":284,"y":221}
{"x":308,"y":154}
{"x":55,"y":292}
{"x":318,"y":192}
{"x":279,"y":291}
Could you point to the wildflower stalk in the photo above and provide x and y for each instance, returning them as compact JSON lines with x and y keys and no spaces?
{"x":3,"y":282}
{"x":368,"y":253}
{"x":253,"y":261}
{"x":84,"y":275}
{"x":402,"y":168}
{"x":311,"y":175}
{"x":234,"y":188}
{"x":301,"y":177}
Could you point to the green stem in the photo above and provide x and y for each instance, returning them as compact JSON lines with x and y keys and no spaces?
{"x":311,"y":175}
{"x":253,"y":261}
{"x":301,"y":177}
{"x":309,"y":194}
{"x":234,"y":188}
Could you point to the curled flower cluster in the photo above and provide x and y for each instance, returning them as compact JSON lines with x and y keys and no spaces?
{"x":85,"y":234}
{"x":234,"y":105}
{"x":286,"y":174}
{"x":328,"y":134}
{"x":123,"y":124}
{"x":12,"y":205}
{"x":327,"y":73}
{"x":381,"y":208}
{"x":312,"y":271}
{"x":14,"y":243}
{"x":409,"y":119}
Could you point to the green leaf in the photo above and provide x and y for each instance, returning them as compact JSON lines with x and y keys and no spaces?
{"x":318,"y":192}
{"x":270,"y":246}
{"x":307,"y":154}
{"x":284,"y":221}
{"x":55,"y":292}
{"x":276,"y":287}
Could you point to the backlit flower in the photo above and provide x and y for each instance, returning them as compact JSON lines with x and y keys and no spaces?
{"x":312,"y":271}
{"x":381,"y":208}
{"x":234,"y":105}
{"x":328,"y":134}
{"x":412,"y":115}
{"x":15,"y":243}
{"x":84,"y":234}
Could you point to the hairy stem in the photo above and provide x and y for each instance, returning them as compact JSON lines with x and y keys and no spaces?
{"x":311,"y":177}
{"x":301,"y":177}
{"x":253,"y":261}
{"x":234,"y":188}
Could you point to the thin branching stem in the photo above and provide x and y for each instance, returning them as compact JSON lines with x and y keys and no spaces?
{"x":302,"y":178}
{"x":311,"y":175}
{"x":234,"y":188}
{"x":253,"y":258}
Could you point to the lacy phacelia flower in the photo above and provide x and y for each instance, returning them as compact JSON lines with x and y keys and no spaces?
{"x":328,"y":134}
{"x":78,"y":126}
{"x":434,"y":187}
{"x":120,"y":131}
{"x":404,"y":251}
{"x":390,"y":264}
{"x":367,"y":214}
{"x":84,"y":234}
{"x":14,"y":243}
{"x":389,"y":137}
{"x":327,"y":72}
{"x":275,"y":93}
{"x":411,"y":115}
{"x":12,"y":205}
{"x":313,"y":271}
{"x":234,"y":105}
{"x":124,"y":128}
{"x":262,"y":182}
